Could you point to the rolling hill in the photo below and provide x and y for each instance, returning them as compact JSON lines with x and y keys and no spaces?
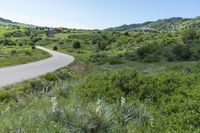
{"x":11,"y":24}
{"x":5,"y":20}
{"x":175,"y":23}
{"x":137,"y":82}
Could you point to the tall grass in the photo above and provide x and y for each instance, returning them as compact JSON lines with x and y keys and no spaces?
{"x":63,"y":110}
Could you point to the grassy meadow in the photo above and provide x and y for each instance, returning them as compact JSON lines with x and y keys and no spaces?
{"x":15,"y":55}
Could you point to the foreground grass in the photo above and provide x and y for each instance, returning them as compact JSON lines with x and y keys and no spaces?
{"x":158,"y":96}
{"x":14,"y":55}
{"x":111,"y":101}
{"x":52,"y":104}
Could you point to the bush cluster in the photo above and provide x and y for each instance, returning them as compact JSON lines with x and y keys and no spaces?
{"x":173,"y":93}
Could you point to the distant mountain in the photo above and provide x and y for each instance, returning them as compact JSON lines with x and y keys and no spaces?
{"x":176,"y":23}
{"x":8,"y":23}
{"x":5,"y":20}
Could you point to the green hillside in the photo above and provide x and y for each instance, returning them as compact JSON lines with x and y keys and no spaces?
{"x":120,"y":82}
{"x":170,"y":24}
{"x":8,"y":25}
{"x":5,"y":20}
{"x":13,"y":48}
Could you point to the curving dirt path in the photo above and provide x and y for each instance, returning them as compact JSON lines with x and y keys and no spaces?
{"x":16,"y":74}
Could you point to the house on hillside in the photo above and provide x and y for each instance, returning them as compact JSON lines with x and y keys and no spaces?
{"x":173,"y":30}
{"x":147,"y":30}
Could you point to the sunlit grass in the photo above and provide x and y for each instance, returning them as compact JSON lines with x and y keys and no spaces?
{"x":15,"y":55}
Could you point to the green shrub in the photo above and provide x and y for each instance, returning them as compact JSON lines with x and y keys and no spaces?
{"x":33,"y":47}
{"x":173,"y":93}
{"x":64,"y":74}
{"x":181,"y":52}
{"x":126,"y":34}
{"x":101,"y":59}
{"x":99,"y":86}
{"x":55,"y":48}
{"x":13,"y":52}
{"x":111,"y":87}
{"x":4,"y":95}
{"x":152,"y":58}
{"x":76,"y":45}
{"x":98,"y":58}
{"x":38,"y":85}
{"x":190,"y":35}
{"x":148,"y":53}
{"x":28,"y":53}
{"x":115,"y":60}
{"x":51,"y":77}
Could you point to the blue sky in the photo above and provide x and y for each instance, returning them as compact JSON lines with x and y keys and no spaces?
{"x":91,"y":14}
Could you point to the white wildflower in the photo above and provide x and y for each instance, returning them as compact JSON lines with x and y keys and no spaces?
{"x":123,"y":101}
{"x":79,"y":107}
{"x":98,"y":102}
{"x":6,"y":110}
{"x":97,"y":109}
{"x":54,"y":104}
{"x":99,"y":106}
{"x":62,"y":111}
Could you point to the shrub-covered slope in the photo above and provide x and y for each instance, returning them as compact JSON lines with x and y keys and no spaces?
{"x":170,"y":24}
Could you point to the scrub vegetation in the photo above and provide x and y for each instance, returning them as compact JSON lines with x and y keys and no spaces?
{"x":14,"y":55}
{"x":123,"y":80}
